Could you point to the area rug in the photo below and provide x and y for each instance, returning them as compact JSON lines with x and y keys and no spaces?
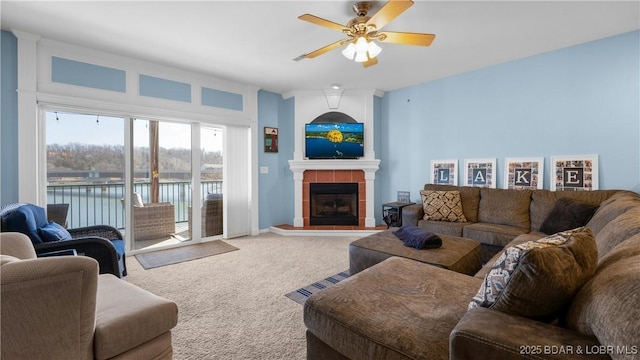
{"x":177,"y":255}
{"x":301,"y":295}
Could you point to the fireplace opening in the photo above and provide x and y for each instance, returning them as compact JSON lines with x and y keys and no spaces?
{"x":333,"y":204}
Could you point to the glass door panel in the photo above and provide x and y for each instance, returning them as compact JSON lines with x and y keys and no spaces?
{"x":161,"y":183}
{"x":211,"y":181}
{"x":85,"y":169}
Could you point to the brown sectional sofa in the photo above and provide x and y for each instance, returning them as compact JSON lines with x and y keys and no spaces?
{"x":404,"y":309}
{"x":497,"y":216}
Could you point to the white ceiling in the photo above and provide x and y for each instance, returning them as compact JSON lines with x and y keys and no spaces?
{"x":255,"y":42}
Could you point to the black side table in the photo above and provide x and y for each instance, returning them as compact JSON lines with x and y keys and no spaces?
{"x":392,"y":213}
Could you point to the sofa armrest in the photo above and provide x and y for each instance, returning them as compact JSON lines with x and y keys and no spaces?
{"x":48,"y":308}
{"x":489,"y":334}
{"x":17,"y":244}
{"x":412,"y":214}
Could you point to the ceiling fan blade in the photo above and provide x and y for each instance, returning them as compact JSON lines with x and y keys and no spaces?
{"x":407,"y":38}
{"x":370,"y":62}
{"x":325,"y":49}
{"x":322,"y":22}
{"x":389,"y":12}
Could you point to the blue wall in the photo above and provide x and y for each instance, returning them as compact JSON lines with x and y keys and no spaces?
{"x":8,"y":118}
{"x":275,"y":188}
{"x":580,"y":100}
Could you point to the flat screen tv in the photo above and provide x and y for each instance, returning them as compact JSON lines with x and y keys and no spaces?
{"x":334,"y":140}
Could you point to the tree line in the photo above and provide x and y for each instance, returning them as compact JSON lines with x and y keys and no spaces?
{"x":76,"y":156}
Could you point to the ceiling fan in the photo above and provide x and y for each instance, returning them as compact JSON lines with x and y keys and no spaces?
{"x":362,"y":32}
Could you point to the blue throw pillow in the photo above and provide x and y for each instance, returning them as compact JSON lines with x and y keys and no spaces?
{"x":22,"y":220}
{"x":53,"y":232}
{"x":415,"y":237}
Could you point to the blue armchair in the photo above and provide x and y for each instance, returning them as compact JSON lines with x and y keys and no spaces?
{"x":103,"y":243}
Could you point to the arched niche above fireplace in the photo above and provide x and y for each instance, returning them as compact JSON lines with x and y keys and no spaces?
{"x":333,"y":117}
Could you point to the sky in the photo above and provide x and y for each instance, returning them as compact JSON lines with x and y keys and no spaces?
{"x":66,"y":128}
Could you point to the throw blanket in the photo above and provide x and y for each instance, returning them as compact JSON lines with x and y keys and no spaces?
{"x":415,"y":237}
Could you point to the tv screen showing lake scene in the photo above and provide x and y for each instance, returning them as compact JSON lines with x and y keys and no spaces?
{"x":334,"y":141}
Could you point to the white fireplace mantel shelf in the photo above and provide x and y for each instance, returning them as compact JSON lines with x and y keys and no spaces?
{"x":298,"y":166}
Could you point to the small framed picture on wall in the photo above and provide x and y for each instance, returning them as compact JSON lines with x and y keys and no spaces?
{"x":480,"y":172}
{"x":524,"y":173}
{"x":574,"y":173}
{"x":270,"y":139}
{"x":444,"y":172}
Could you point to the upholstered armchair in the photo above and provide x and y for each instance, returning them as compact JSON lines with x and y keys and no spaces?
{"x":60,"y":308}
{"x":103,"y":243}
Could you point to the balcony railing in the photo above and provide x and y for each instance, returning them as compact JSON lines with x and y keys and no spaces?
{"x":103,"y":204}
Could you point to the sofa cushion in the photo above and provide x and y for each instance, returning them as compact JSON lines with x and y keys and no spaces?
{"x":607,"y":307}
{"x":398,"y":309}
{"x":628,"y":248}
{"x":442,"y":227}
{"x":413,"y":236}
{"x":542,"y":201}
{"x":469,"y":196}
{"x":536,"y":279}
{"x":26,"y":219}
{"x":130,"y":319}
{"x":611,"y":208}
{"x":617,"y":230}
{"x":567,"y":214}
{"x":492,"y":234}
{"x":53,"y":232}
{"x":442,"y":205}
{"x":505,"y":207}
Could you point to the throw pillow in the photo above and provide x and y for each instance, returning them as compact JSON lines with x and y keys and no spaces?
{"x":137,"y":200}
{"x":53,"y":232}
{"x":415,"y":237}
{"x":442,"y":205}
{"x":26,"y":219}
{"x":537,"y":279}
{"x":567,"y":214}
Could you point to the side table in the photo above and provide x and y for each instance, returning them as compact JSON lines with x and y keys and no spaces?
{"x":392,"y":213}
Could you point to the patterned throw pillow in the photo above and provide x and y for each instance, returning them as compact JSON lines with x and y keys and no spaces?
{"x":442,"y":206}
{"x":536,"y":279}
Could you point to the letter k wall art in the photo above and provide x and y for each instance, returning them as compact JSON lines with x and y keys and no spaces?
{"x":524,"y":173}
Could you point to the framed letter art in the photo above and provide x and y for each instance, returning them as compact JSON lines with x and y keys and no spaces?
{"x":524,"y":173}
{"x":480,"y":172}
{"x":574,"y":173}
{"x":270,"y":139}
{"x":444,"y":172}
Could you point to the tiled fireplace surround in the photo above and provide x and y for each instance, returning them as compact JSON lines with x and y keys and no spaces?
{"x":334,"y":176}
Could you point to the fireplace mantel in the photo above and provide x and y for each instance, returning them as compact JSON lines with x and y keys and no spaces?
{"x":299,"y":166}
{"x":369,"y":167}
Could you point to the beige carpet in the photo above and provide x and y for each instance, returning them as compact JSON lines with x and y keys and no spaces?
{"x":233,"y":305}
{"x":159,"y":258}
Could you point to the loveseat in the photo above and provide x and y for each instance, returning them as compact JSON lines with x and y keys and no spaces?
{"x":404,"y":309}
{"x":60,"y":308}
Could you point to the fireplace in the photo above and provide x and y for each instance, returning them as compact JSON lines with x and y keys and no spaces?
{"x":333,"y":204}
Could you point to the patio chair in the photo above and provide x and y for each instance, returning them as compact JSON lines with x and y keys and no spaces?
{"x":154,"y":221}
{"x":103,"y":243}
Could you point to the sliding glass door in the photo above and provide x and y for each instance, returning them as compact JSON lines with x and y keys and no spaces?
{"x":92,"y":168}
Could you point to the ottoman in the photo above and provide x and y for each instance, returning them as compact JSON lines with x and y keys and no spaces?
{"x":456,"y":253}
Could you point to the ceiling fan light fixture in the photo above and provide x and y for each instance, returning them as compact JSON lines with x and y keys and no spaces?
{"x":350,"y":51}
{"x":361,"y":45}
{"x":373,"y":49}
{"x":361,"y":57}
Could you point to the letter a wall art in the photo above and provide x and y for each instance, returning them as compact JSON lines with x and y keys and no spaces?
{"x":480,"y":172}
{"x":574,"y":173}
